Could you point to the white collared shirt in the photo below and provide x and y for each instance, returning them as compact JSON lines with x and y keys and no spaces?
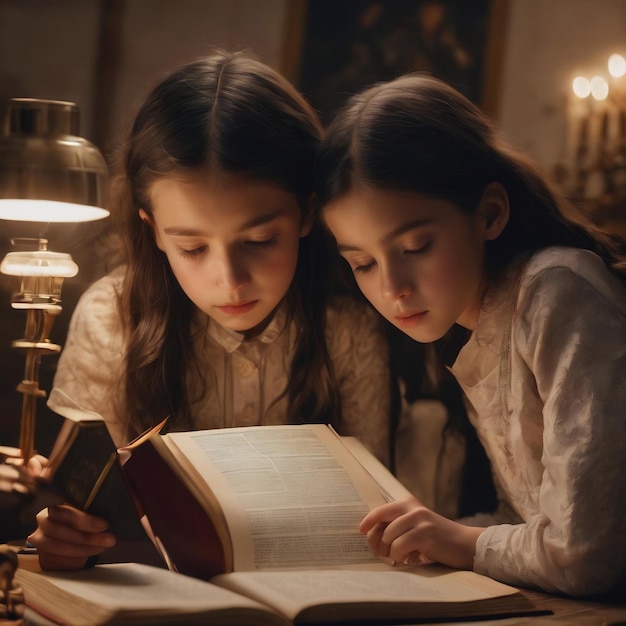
{"x":545,"y":376}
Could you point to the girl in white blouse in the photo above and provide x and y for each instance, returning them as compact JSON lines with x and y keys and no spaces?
{"x":444,"y":226}
{"x":221,"y":313}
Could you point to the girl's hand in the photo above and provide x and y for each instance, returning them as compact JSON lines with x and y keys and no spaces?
{"x":65,"y":537}
{"x":18,"y":480}
{"x":36,"y":465}
{"x":407,"y":532}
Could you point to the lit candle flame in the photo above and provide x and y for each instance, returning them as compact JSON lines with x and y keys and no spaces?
{"x":617,"y":65}
{"x":599,"y":88}
{"x":581,"y":87}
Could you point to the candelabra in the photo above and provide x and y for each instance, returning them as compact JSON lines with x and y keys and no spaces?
{"x":48,"y":174}
{"x":594,"y":174}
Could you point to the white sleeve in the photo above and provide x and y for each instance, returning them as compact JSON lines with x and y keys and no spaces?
{"x":359,"y":353}
{"x":572,"y":337}
{"x":89,"y":372}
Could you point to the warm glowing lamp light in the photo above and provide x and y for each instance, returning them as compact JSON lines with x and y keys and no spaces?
{"x":48,"y":173}
{"x":28,"y":210}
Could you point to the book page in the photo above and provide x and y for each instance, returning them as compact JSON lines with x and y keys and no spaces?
{"x":423,"y":590}
{"x":293,"y":496}
{"x":131,"y":593}
{"x":391,"y":487}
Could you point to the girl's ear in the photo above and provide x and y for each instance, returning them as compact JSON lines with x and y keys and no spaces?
{"x":146,"y":219}
{"x":494,"y":210}
{"x":308,"y":217}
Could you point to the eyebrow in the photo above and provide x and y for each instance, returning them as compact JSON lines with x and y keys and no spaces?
{"x":193,"y":232}
{"x":392,"y":235}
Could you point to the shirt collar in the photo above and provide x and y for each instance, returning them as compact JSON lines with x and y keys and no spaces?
{"x":231,"y":340}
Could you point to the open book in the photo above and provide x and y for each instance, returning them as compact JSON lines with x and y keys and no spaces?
{"x":133,"y":593}
{"x":272,"y":513}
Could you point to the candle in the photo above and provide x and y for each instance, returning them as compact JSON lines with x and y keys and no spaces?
{"x":579,"y":123}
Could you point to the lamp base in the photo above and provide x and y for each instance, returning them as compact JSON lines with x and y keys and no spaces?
{"x":39,"y":275}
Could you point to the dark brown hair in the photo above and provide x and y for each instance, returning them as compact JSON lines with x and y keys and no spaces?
{"x":418,"y":134}
{"x":226,"y":114}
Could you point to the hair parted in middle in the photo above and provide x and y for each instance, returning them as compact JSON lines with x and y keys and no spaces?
{"x":418,"y":134}
{"x":227,"y":114}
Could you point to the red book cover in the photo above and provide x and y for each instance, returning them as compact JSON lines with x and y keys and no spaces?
{"x":177,"y":519}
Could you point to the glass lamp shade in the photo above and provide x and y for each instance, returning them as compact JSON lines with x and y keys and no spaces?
{"x":47,"y":172}
{"x":40,"y":275}
{"x":38,"y":263}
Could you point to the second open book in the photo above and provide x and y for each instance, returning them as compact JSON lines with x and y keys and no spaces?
{"x":273,"y":512}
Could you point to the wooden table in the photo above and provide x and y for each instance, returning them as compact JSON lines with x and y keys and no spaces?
{"x":566,"y":612}
{"x":570,"y":611}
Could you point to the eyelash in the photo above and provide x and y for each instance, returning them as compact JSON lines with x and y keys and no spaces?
{"x":364,"y":269}
{"x":421,"y":250}
{"x":197,"y":252}
{"x":192,"y":254}
{"x":262,"y":243}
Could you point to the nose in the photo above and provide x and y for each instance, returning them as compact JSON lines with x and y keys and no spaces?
{"x":231,"y":271}
{"x":396,"y":281}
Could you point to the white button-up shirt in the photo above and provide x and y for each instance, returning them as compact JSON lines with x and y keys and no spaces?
{"x":545,"y":376}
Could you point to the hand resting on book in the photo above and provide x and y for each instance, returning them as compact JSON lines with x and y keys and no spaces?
{"x":407,"y":531}
{"x":66,"y":537}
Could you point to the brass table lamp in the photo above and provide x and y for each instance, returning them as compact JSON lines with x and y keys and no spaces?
{"x":48,"y":174}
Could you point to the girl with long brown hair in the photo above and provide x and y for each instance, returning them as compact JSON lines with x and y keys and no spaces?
{"x":221,"y":314}
{"x":448,"y":229}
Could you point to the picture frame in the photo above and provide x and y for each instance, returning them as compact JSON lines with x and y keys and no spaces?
{"x":334,"y":48}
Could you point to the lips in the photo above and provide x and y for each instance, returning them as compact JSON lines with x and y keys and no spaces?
{"x":410,"y":319}
{"x":238,"y":308}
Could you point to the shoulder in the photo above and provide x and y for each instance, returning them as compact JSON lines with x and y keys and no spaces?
{"x":569,"y":294}
{"x":357,"y":347}
{"x":104,"y":290}
{"x":559,"y":273}
{"x":348,"y":313}
{"x":98,"y":307}
{"x":351,"y":325}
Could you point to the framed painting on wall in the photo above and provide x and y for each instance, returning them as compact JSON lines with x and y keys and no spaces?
{"x":334,"y":48}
